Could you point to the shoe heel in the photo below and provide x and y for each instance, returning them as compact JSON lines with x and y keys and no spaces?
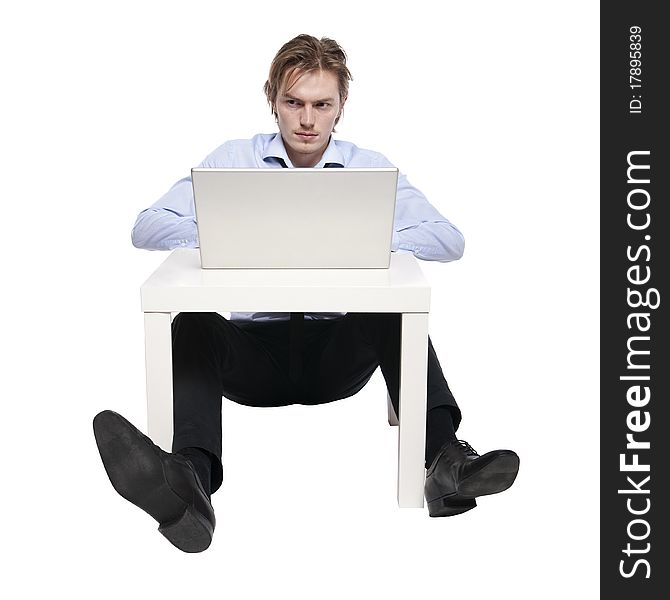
{"x":450,"y":506}
{"x":189,"y":533}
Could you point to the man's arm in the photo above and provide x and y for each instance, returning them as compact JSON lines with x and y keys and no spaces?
{"x":420,"y":229}
{"x":418,"y":226}
{"x":170,"y":222}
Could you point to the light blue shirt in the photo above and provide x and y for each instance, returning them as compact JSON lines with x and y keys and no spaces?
{"x":418,"y":227}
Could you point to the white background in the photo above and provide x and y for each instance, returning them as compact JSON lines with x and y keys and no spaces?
{"x":491,"y":110}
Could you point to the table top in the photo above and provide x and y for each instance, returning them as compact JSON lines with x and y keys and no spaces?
{"x":180,"y":285}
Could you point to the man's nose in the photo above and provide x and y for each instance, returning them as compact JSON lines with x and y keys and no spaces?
{"x":307,"y":116}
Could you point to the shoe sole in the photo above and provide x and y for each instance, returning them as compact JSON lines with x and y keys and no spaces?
{"x":190,"y":533}
{"x":135,"y":470}
{"x":450,"y":506}
{"x":495,"y":477}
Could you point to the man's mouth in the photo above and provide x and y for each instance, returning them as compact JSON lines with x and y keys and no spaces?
{"x":306,"y":134}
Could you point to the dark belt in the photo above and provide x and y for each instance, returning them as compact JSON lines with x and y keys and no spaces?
{"x":295,"y":332}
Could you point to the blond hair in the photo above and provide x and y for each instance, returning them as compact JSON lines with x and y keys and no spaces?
{"x":302,"y":54}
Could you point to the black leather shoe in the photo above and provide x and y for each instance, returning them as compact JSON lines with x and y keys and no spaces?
{"x":458,"y":475}
{"x":162,"y":484}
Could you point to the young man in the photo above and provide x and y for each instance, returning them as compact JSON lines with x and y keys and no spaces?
{"x":271,"y":359}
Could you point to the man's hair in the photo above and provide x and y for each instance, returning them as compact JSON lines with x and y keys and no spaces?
{"x":302,"y":54}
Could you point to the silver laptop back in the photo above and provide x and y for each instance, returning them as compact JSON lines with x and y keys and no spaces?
{"x":295,"y":218}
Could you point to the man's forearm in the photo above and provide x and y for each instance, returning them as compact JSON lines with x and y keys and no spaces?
{"x":161,"y":229}
{"x":431,"y":241}
{"x":170,"y":222}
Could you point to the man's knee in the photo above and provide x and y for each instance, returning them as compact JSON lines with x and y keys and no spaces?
{"x":375,"y":327}
{"x":190,"y":320}
{"x":193,"y":325}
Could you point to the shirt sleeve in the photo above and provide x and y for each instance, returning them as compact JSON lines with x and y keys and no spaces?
{"x":170,"y":222}
{"x":418,"y":226}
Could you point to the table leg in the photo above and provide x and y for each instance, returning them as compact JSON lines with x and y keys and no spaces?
{"x":158,"y":356}
{"x":412,"y":434}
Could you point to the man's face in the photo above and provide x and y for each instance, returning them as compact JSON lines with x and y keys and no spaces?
{"x":306,"y":114}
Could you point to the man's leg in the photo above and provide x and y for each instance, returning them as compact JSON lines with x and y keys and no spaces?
{"x":344,"y":362}
{"x":214,"y":357}
{"x":211,"y":357}
{"x":341,"y":359}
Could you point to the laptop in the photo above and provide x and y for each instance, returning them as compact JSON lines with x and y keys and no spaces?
{"x":295,"y":218}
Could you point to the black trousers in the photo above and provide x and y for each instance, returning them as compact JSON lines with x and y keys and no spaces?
{"x":277,"y":363}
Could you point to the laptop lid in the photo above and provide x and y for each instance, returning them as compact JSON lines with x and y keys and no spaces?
{"x":295,"y":218}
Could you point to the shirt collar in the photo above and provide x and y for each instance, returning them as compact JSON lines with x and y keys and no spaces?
{"x":332,"y":156}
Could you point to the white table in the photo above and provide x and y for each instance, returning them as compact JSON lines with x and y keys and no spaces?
{"x":180,"y":285}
